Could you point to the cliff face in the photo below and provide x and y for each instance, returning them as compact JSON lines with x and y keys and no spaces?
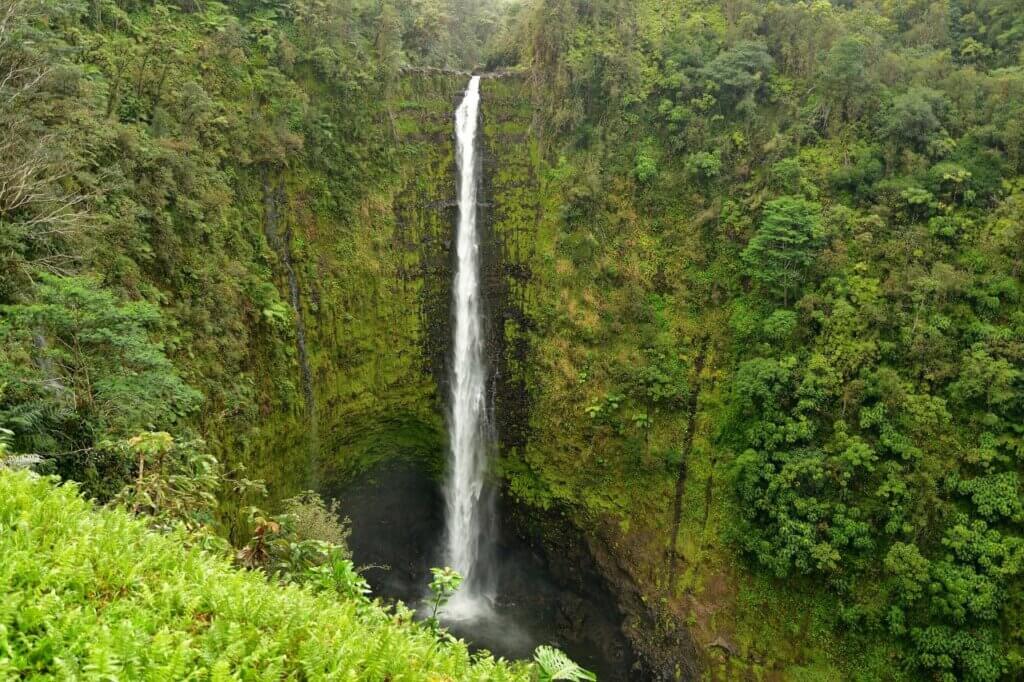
{"x":373,"y":298}
{"x":548,"y":449}
{"x":373,"y":309}
{"x":511,"y":205}
{"x":370,"y":298}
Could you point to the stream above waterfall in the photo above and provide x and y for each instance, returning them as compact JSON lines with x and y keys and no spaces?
{"x":397,"y":511}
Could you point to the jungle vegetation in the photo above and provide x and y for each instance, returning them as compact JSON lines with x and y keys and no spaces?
{"x":775,"y":284}
{"x":810,"y":216}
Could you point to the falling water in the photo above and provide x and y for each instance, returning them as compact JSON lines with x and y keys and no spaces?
{"x":469,"y":515}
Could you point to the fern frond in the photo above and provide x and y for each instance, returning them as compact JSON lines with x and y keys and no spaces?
{"x":554,"y":664}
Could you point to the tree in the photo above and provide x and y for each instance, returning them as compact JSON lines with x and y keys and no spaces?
{"x":781,"y":252}
{"x":847,"y":79}
{"x":388,"y":41}
{"x":86,"y":368}
{"x":175,"y":481}
{"x":739,"y":74}
{"x":428,"y":34}
{"x":915,"y":116}
{"x":38,"y":213}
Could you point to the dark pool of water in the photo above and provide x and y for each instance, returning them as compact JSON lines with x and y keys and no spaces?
{"x":397,"y":514}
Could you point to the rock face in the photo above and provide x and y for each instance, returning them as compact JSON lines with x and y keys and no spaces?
{"x":576,"y":546}
{"x":511,"y":204}
{"x":586,"y":561}
{"x":371,"y":300}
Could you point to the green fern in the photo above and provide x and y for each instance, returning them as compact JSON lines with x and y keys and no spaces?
{"x":553,"y":664}
{"x":80,"y":583}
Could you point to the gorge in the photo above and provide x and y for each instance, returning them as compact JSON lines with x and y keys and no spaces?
{"x":722,"y":380}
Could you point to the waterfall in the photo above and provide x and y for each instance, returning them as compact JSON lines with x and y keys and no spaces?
{"x":469,"y":522}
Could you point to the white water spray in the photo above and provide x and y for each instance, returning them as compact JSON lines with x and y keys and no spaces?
{"x":469,"y":517}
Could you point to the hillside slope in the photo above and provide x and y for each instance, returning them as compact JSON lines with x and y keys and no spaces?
{"x":93,"y":594}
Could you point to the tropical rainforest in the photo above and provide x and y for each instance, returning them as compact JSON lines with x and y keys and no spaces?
{"x":755,"y":279}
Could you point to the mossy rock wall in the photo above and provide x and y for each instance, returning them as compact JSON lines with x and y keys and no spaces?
{"x":560,"y":471}
{"x":373,"y":300}
{"x":509,"y":197}
{"x":376,"y":295}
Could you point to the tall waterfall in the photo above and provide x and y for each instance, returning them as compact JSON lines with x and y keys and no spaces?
{"x":469,"y":512}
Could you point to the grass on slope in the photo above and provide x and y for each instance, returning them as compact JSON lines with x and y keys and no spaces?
{"x":93,"y":594}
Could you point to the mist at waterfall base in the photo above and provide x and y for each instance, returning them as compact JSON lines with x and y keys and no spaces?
{"x":398,"y":526}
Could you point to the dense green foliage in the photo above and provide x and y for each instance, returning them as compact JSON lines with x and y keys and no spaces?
{"x":95,"y":595}
{"x":195,"y":199}
{"x":84,"y":369}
